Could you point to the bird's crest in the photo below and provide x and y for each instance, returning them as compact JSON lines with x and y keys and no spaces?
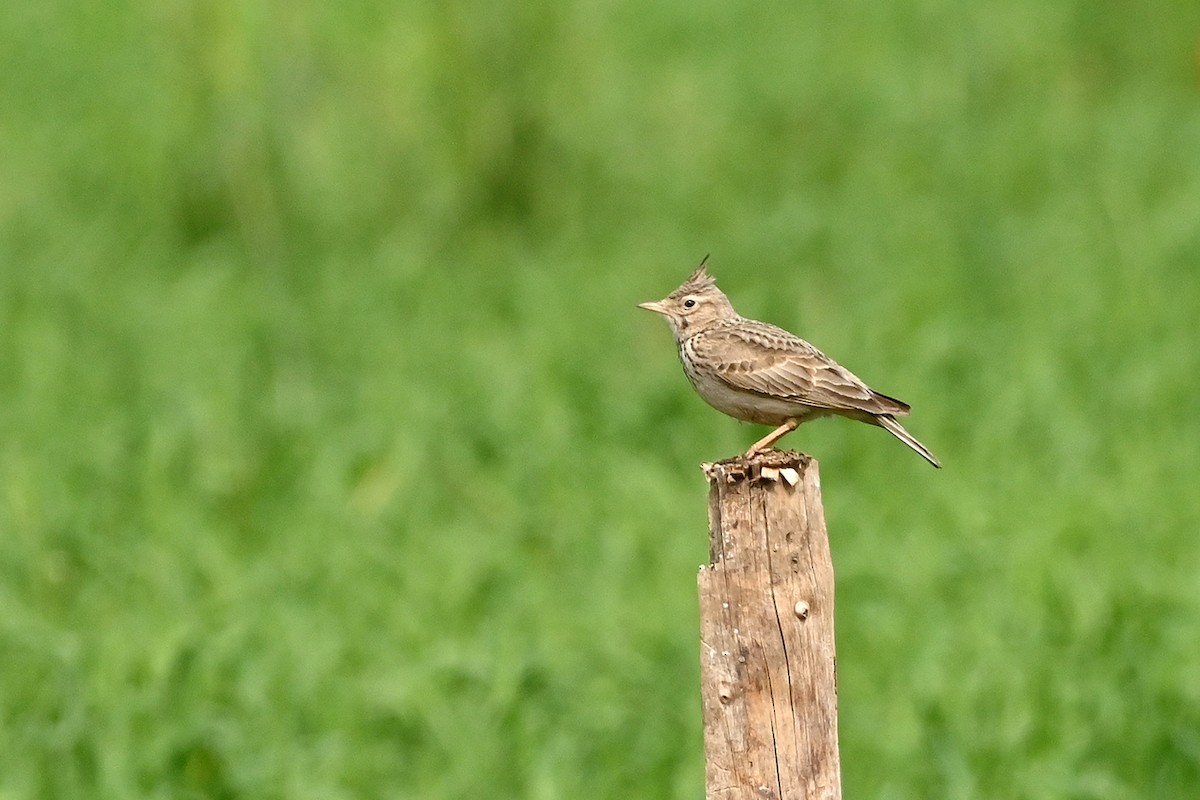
{"x":700,"y":279}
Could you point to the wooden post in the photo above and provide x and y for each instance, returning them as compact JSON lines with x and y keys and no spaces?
{"x":766,"y":633}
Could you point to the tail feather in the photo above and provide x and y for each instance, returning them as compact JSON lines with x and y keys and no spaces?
{"x":888,"y":423}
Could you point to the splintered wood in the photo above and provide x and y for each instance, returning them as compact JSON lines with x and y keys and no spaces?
{"x":766,"y":633}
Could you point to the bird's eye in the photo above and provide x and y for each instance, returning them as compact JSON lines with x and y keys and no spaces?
{"x":689,"y":303}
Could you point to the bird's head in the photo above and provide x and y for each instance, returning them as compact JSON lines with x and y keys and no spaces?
{"x":695,"y":305}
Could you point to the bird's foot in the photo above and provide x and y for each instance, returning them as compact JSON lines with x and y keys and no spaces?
{"x":771,"y":438}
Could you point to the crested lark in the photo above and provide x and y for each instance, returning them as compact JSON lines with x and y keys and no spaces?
{"x":757,"y":372}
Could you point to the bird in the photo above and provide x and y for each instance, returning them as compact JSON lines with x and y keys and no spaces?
{"x":757,"y":372}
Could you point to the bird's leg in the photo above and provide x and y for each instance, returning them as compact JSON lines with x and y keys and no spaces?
{"x":773,"y":437}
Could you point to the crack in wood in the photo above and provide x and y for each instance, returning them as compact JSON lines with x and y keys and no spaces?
{"x":768,"y":546}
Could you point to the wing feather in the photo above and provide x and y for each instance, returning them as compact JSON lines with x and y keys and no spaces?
{"x":761,"y":358}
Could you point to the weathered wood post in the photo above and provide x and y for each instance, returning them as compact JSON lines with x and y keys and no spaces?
{"x":766,"y":633}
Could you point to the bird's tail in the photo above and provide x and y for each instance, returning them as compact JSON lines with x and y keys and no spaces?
{"x":888,"y":423}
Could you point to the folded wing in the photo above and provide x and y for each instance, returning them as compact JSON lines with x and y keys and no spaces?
{"x":761,"y":358}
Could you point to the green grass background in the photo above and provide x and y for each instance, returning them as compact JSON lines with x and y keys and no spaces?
{"x":336,"y":462}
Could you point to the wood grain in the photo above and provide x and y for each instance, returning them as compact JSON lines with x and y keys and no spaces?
{"x":766,"y":633}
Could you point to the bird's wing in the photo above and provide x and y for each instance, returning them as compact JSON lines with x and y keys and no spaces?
{"x":761,"y":358}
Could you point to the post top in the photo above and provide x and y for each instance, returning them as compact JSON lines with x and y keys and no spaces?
{"x":769,"y":465}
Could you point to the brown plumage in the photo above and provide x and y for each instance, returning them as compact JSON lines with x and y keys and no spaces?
{"x":757,"y":372}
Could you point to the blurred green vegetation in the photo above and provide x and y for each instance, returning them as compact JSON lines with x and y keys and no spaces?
{"x":336,"y":462}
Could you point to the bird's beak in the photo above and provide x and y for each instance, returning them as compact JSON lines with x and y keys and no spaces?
{"x":656,"y":307}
